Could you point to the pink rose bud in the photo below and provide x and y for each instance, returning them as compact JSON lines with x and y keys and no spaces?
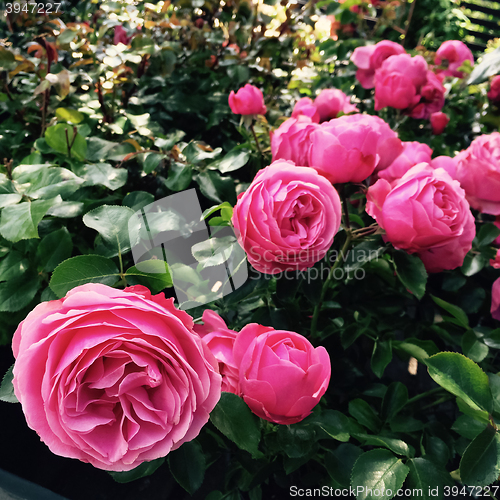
{"x":398,"y":82}
{"x":282,"y":376}
{"x":369,"y":58}
{"x":413,"y":153}
{"x":331,"y":102}
{"x":113,"y":377}
{"x":306,"y":107}
{"x":220,"y":340}
{"x":343,"y":151}
{"x":287,"y":218}
{"x":452,"y":53}
{"x":494,"y":92}
{"x":439,"y":121}
{"x":426,"y":213}
{"x":478,"y":171}
{"x":247,"y":101}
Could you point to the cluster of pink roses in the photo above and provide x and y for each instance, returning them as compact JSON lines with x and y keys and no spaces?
{"x":118,"y":377}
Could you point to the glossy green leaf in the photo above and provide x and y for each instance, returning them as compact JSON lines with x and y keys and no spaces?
{"x":394,"y":400}
{"x":69,"y":115}
{"x":365,"y":414}
{"x":411,"y":271}
{"x":61,"y":137}
{"x":7,"y":389}
{"x":53,"y":249}
{"x":334,"y":423}
{"x":395,"y":445}
{"x":187,"y":465}
{"x":235,"y":420}
{"x":179,"y":176}
{"x":339,"y":463}
{"x":137,"y":200}
{"x":462,"y":377}
{"x":427,"y":477}
{"x":83,"y":269}
{"x":143,"y":470}
{"x":381,"y":357}
{"x":102,"y":174}
{"x":17,"y":293}
{"x":153,"y":274}
{"x":454,"y":310}
{"x":378,"y":470}
{"x":234,"y":160}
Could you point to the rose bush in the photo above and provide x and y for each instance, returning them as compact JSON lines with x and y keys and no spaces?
{"x":287,"y":218}
{"x":113,"y":377}
{"x":282,"y":376}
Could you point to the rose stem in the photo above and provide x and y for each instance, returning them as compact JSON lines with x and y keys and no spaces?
{"x":326,"y":284}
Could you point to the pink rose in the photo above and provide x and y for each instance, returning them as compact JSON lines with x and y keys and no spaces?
{"x":287,"y":218}
{"x":343,"y":151}
{"x":113,"y":377}
{"x":291,"y":140}
{"x":282,"y":376}
{"x":120,"y":36}
{"x":447,"y":163}
{"x":494,"y":92}
{"x":306,"y":107}
{"x":247,"y":101}
{"x":331,"y":102}
{"x":495,"y":263}
{"x":389,"y":146}
{"x":478,"y":170}
{"x":220,"y":339}
{"x":399,"y":80}
{"x":455,"y":53}
{"x":431,"y":98}
{"x":495,"y":299}
{"x":438,"y":122}
{"x":425,"y":213}
{"x":368,"y":59}
{"x":413,"y":153}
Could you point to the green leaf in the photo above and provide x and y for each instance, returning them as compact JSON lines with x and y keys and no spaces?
{"x":473,"y":263}
{"x":489,"y":66}
{"x":235,"y":420}
{"x":20,"y":222}
{"x":83,"y":269}
{"x":378,"y":470}
{"x":394,"y":400}
{"x":13,"y":265}
{"x":468,"y":427}
{"x":43,"y":181}
{"x":98,"y":149}
{"x":428,"y":478}
{"x":215,"y":187}
{"x":154,"y":274}
{"x":487,"y":234}
{"x":381,"y":357}
{"x":151,"y":161}
{"x":411,"y":272}
{"x":111,"y":222}
{"x":9,"y":195}
{"x":168,"y":142}
{"x":462,"y":377}
{"x":296,"y":440}
{"x":480,"y":464}
{"x":18,"y":292}
{"x":69,"y":115}
{"x":455,"y":311}
{"x":195,"y":154}
{"x":143,"y":470}
{"x":187,"y":465}
{"x":235,"y":159}
{"x":179,"y":176}
{"x":214,"y":251}
{"x":419,"y":349}
{"x":60,"y":136}
{"x":339,"y":463}
{"x":365,"y":414}
{"x":332,"y":422}
{"x":102,"y":174}
{"x":472,"y":347}
{"x":6,"y":387}
{"x":396,"y":445}
{"x":137,"y":200}
{"x":53,"y":249}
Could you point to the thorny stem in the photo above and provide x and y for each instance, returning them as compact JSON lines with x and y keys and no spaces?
{"x":326,"y":284}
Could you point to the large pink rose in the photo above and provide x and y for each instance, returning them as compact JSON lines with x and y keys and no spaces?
{"x":389,"y":146}
{"x":291,"y":140}
{"x":113,"y":377}
{"x":331,"y":102}
{"x":425,"y":213}
{"x":247,"y":101}
{"x":344,"y":151}
{"x":287,"y":218}
{"x":495,"y":299}
{"x":478,"y":170}
{"x":399,"y":80}
{"x":431,"y":98}
{"x":413,"y":153}
{"x":306,"y":107}
{"x":282,"y":376}
{"x":220,"y":339}
{"x":369,"y":58}
{"x":452,"y":53}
